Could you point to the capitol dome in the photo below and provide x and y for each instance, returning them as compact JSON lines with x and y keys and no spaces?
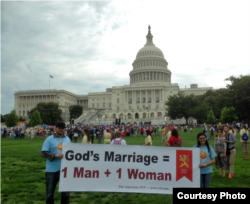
{"x":150,"y":64}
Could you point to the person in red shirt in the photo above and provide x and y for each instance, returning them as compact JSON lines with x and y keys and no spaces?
{"x":174,"y":140}
{"x":142,"y":131}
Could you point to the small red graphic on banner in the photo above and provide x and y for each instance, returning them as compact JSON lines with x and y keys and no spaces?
{"x":184,"y":164}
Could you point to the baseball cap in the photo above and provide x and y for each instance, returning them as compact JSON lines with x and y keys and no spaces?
{"x":61,"y":125}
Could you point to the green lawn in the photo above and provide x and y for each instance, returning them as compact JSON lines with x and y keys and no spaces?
{"x":23,"y":175}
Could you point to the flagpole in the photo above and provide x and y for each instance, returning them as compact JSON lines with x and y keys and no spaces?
{"x":49,"y":81}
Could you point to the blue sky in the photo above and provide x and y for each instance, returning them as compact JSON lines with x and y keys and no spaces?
{"x":90,"y":46}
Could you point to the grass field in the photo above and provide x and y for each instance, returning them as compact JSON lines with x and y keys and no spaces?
{"x":23,"y":174}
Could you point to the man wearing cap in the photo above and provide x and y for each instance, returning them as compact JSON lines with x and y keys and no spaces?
{"x":52,"y":151}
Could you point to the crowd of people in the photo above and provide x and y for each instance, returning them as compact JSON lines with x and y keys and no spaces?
{"x":222,"y":154}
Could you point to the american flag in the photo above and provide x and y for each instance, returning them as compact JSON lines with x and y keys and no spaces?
{"x":145,"y":75}
{"x":51,"y":76}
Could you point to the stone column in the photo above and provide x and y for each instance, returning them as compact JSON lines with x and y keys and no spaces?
{"x":140,"y":97}
{"x":153,"y":95}
{"x":124,"y":96}
{"x":163,"y":95}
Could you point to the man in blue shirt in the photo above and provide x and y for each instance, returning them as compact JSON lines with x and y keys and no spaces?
{"x":51,"y":150}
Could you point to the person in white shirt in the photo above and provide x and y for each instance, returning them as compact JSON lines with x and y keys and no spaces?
{"x":118,"y":140}
{"x":32,"y":132}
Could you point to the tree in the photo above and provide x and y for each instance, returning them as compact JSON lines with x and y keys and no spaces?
{"x":1,"y":118}
{"x":11,"y":119}
{"x":178,"y":105}
{"x":199,"y":112}
{"x":228,"y":114}
{"x":75,"y":111}
{"x":210,"y":117}
{"x":35,"y":119}
{"x":21,"y":119}
{"x":240,"y":89}
{"x":50,"y":112}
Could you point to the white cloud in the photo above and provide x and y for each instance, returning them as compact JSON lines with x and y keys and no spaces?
{"x":92,"y":45}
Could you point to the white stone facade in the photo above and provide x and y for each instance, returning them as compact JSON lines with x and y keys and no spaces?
{"x":143,"y":100}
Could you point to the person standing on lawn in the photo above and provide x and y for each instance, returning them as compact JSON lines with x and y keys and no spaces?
{"x":233,"y":131}
{"x":142,"y":131}
{"x":230,"y":140}
{"x":32,"y":133}
{"x":51,"y":150}
{"x":163,"y":136}
{"x":168,"y":133}
{"x":107,"y":137}
{"x":22,"y":133}
{"x":86,"y":137}
{"x":212,"y":132}
{"x":207,"y":158}
{"x":148,"y":139}
{"x":244,"y":143}
{"x":220,"y":147}
{"x":159,"y":130}
{"x":174,"y":140}
{"x":118,"y":140}
{"x":76,"y":135}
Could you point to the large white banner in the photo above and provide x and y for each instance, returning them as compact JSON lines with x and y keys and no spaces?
{"x":128,"y":168}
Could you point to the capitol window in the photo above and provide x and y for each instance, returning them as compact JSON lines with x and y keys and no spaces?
{"x":93,"y":105}
{"x":117,"y":108}
{"x":117,"y":100}
{"x":110,"y":105}
{"x":129,"y":107}
{"x":97,"y":105}
{"x":103,"y":105}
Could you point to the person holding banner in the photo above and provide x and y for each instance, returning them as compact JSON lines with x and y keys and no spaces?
{"x":52,"y":151}
{"x":148,"y":139}
{"x":86,"y":137}
{"x":207,"y":158}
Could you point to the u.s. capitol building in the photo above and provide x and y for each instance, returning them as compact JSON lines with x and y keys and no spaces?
{"x":141,"y":101}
